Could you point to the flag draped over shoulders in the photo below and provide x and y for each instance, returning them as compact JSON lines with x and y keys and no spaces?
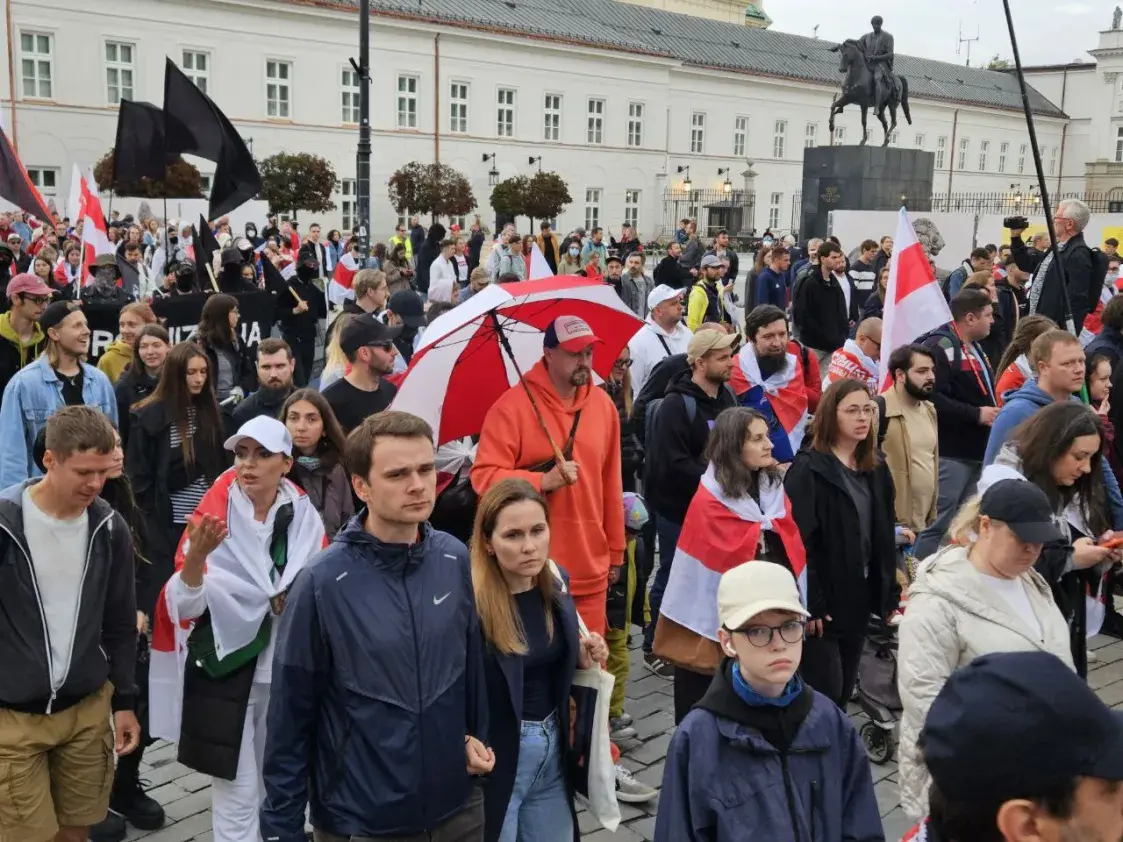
{"x":781,"y":399}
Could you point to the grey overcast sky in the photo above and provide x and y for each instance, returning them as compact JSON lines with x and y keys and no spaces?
{"x":1049,"y":31}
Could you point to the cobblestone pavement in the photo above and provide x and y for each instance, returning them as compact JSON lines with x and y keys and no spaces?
{"x":186,"y":794}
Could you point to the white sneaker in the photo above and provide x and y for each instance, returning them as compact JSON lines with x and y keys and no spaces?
{"x":631,"y":791}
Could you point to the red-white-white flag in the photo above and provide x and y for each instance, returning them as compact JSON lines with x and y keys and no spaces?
{"x":914,"y":302}
{"x":85,"y":205}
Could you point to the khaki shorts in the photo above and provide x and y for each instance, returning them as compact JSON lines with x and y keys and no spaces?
{"x":55,"y":770}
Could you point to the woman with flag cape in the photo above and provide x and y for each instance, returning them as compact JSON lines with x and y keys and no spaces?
{"x":739,"y":513}
{"x":216,"y":618}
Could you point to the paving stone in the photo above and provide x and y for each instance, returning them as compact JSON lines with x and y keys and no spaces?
{"x":653,"y":774}
{"x":888,"y":796}
{"x":586,"y":823}
{"x":896,"y":824}
{"x":195,"y":782}
{"x":883,"y":772}
{"x":1104,"y":674}
{"x":629,"y":812}
{"x":645,"y":827}
{"x":654,"y":725}
{"x":196,"y":802}
{"x":189,"y":830}
{"x":167,"y":773}
{"x":622,"y":834}
{"x":653,"y":750}
{"x":646,"y":685}
{"x":168,"y":793}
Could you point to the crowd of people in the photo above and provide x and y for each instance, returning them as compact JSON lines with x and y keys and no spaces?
{"x":249,"y":552}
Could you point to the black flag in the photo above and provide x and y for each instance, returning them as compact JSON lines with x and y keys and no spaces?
{"x":16,"y":186}
{"x":139,"y":150}
{"x":195,"y":125}
{"x":206,"y":247}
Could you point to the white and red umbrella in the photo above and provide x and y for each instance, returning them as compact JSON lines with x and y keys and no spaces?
{"x":474,"y":353}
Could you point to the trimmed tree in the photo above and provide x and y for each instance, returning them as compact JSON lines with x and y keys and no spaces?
{"x":182,"y":181}
{"x":300,"y":181}
{"x":508,"y":199}
{"x":433,"y":189}
{"x":547,"y":195}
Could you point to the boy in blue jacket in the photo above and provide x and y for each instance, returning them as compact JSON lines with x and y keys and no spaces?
{"x":762,"y":756}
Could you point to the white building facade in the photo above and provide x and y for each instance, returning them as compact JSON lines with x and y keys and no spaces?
{"x":615,"y":119}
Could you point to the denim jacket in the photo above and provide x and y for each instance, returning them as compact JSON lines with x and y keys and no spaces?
{"x":32,"y":396}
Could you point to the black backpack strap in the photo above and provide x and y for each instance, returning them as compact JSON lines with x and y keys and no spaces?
{"x":567,"y":451}
{"x":663,"y":342}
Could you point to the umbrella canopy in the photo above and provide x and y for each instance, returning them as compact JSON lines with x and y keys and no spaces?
{"x":464,"y":363}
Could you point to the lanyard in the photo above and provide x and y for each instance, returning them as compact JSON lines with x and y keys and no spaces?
{"x":974,"y":362}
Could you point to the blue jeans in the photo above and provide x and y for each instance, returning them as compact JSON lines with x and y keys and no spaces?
{"x":539,"y":809}
{"x":668,"y":532}
{"x":957,"y":481}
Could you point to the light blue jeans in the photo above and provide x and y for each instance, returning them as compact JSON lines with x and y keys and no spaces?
{"x":539,"y":807}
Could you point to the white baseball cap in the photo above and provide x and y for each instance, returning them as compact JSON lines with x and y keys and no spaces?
{"x":662,"y":293}
{"x":753,"y":588}
{"x":268,"y":432}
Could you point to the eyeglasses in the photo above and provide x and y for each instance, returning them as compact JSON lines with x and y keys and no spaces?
{"x":760,"y":636}
{"x":37,"y":299}
{"x":866,"y":411}
{"x":383,"y":346}
{"x":622,"y":364}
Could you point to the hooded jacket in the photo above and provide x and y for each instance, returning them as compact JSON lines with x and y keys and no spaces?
{"x":821,"y":312}
{"x":377,"y":679}
{"x":783,"y":774}
{"x":1109,"y":341}
{"x":958,"y":395}
{"x":953,"y":617}
{"x":115,"y":360}
{"x":14,"y":354}
{"x":104,"y":644}
{"x":675,"y":463}
{"x":1017,"y":406}
{"x":512,"y":442}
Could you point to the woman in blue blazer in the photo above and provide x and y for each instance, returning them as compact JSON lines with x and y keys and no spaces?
{"x":532,"y":650}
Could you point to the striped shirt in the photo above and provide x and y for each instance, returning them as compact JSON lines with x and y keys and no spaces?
{"x":186,"y":499}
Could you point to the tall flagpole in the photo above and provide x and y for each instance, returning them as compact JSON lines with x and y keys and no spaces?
{"x":1070,"y":323}
{"x":362,"y":157}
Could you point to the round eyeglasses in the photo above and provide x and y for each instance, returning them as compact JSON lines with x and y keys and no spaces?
{"x":790,"y":632}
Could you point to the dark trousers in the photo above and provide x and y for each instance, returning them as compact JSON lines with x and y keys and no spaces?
{"x":690,"y":687}
{"x":668,"y":532}
{"x":645,"y":560}
{"x":304,"y":353}
{"x":830,"y":664}
{"x":465,"y":826}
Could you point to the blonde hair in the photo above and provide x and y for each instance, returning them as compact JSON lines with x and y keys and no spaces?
{"x":495,"y":604}
{"x":965,"y":525}
{"x":335,"y":361}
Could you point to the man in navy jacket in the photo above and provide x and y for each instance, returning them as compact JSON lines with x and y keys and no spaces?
{"x":379,"y":693}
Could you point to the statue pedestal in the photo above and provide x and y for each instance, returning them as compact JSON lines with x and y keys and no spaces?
{"x":862,"y":178}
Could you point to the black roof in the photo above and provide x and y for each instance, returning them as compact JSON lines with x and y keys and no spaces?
{"x":707,"y":43}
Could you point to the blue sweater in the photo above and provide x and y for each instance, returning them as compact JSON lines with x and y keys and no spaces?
{"x":771,"y":288}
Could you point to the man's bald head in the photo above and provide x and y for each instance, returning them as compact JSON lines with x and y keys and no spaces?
{"x":868,"y":337}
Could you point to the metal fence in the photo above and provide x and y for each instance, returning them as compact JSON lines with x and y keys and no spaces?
{"x":1016,"y":203}
{"x":712,"y":210}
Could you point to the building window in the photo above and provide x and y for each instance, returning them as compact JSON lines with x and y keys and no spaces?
{"x":839,"y":134}
{"x":631,"y":208}
{"x":118,"y":71}
{"x":919,"y":142}
{"x":505,"y":113}
{"x":37,"y":64}
{"x":1119,"y":145}
{"x":45,"y":179}
{"x":407,"y":101}
{"x":1003,"y":149}
{"x":458,"y":107}
{"x":811,"y":135}
{"x":697,"y":132}
{"x":197,"y":67}
{"x":348,"y":205}
{"x":779,"y":137}
{"x":1022,"y":158}
{"x":635,"y":124}
{"x":964,"y":147}
{"x":595,"y":129}
{"x":349,"y":95}
{"x":895,"y":138}
{"x":278,"y":77}
{"x":1053,"y":161}
{"x":984,"y":151}
{"x":740,"y":135}
{"x":592,"y":206}
{"x":551,"y":126}
{"x":941,"y":152}
{"x":774,"y":203}
{"x":205,"y":181}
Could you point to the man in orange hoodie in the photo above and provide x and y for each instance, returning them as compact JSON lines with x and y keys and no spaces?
{"x":585,"y":493}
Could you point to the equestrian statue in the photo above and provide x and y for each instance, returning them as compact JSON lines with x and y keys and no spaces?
{"x":869,"y":81}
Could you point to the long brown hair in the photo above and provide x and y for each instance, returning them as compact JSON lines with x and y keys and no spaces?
{"x":330,"y":448}
{"x":824,"y":429}
{"x":1028,"y":329}
{"x":214,"y":323}
{"x":172,"y":391}
{"x":495,"y":604}
{"x":723,"y":451}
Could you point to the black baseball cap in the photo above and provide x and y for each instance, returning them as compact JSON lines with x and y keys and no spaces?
{"x":1024,"y":508}
{"x":613,"y":258}
{"x":56,"y":314}
{"x":364,"y":330}
{"x":407,"y":306}
{"x":1018,"y":725}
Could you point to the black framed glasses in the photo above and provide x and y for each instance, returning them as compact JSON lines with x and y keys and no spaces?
{"x":622,"y":364}
{"x":38,"y":299}
{"x":791,"y":631}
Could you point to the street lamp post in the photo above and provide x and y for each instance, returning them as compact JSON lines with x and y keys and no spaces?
{"x":493,"y":173}
{"x":727,"y":185}
{"x":532,"y":160}
{"x":362,"y":156}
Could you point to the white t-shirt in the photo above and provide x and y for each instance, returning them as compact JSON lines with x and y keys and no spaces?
{"x":442,"y":276}
{"x":58,"y":555}
{"x":1013,"y":592}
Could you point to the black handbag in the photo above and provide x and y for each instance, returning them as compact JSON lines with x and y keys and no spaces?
{"x":567,"y":451}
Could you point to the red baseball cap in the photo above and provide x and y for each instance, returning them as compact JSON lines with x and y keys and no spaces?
{"x":569,"y":333}
{"x":27,"y":284}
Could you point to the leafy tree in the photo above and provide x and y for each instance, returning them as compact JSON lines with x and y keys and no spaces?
{"x":296,"y":181}
{"x":182,"y":181}
{"x":435,"y":189}
{"x":508,"y":197}
{"x":997,"y":63}
{"x":546,"y":196}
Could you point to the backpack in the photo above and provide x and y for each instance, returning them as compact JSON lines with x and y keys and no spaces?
{"x":797,"y":293}
{"x":652,"y":414}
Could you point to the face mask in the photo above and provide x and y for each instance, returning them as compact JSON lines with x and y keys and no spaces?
{"x":767,"y":243}
{"x":105,"y":278}
{"x":574,"y":251}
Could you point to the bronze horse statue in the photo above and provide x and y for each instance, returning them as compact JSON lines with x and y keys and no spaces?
{"x":858,"y":89}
